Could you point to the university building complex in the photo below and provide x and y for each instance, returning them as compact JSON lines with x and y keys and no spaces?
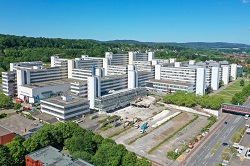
{"x":72,"y":87}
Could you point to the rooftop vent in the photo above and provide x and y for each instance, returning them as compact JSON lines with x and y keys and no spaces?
{"x":67,"y":98}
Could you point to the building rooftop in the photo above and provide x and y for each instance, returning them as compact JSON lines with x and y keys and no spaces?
{"x":51,"y":156}
{"x":50,"y":83}
{"x":170,"y":82}
{"x":114,"y":76}
{"x":59,"y":101}
{"x":4,"y":131}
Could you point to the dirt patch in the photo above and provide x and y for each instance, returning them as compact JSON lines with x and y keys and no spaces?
{"x":178,"y":121}
{"x":181,"y":117}
{"x":163,"y":134}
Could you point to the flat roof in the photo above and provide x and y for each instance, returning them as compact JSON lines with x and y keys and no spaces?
{"x":61,"y":102}
{"x":4,"y":131}
{"x":50,"y":156}
{"x":113,"y":76}
{"x":170,"y":82}
{"x":50,"y":83}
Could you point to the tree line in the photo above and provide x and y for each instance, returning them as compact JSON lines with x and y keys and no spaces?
{"x":79,"y":142}
{"x":22,"y":48}
{"x":240,"y":97}
{"x":181,"y":98}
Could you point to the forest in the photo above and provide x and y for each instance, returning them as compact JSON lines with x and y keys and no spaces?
{"x":79,"y":143}
{"x":21,"y":48}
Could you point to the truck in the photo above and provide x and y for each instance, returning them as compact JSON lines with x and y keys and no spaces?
{"x":144,"y":127}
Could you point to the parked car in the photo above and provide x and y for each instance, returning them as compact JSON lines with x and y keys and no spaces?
{"x":224,"y":144}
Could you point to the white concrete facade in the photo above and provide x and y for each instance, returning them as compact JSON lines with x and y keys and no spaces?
{"x":93,"y":90}
{"x":35,"y":92}
{"x":200,"y":81}
{"x":215,"y":78}
{"x":234,"y":71}
{"x":65,"y":108}
{"x":225,"y":74}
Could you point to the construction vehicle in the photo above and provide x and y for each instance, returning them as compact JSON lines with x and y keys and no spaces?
{"x":127,"y":123}
{"x":136,"y":119}
{"x":144,"y":127}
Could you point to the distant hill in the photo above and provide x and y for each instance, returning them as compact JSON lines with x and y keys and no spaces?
{"x":198,"y":45}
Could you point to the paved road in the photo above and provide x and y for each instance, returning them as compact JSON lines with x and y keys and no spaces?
{"x":223,"y":134}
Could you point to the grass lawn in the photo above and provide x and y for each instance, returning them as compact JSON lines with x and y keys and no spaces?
{"x":229,"y":91}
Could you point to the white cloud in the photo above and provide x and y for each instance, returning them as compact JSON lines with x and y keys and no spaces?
{"x":245,"y":1}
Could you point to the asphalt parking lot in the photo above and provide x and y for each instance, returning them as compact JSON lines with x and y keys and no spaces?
{"x":19,"y":124}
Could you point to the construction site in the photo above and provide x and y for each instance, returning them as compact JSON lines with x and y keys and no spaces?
{"x":152,"y":130}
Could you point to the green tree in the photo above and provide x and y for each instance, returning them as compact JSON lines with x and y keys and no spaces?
{"x":129,"y":159}
{"x":5,"y":159}
{"x":17,"y":151}
{"x":108,"y":154}
{"x":30,"y":145}
{"x":221,"y":83}
{"x":17,"y":106}
{"x":82,"y":155}
{"x":242,"y":82}
{"x":5,"y":101}
{"x":143,"y":161}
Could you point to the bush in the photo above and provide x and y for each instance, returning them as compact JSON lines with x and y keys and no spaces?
{"x":3,"y":115}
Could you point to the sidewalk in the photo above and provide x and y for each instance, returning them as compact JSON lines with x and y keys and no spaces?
{"x":199,"y":145}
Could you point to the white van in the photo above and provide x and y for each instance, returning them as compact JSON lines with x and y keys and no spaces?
{"x":246,"y":117}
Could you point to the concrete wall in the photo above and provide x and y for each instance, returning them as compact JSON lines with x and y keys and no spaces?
{"x":213,"y":112}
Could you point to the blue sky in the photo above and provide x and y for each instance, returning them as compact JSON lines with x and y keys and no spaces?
{"x":143,"y":20}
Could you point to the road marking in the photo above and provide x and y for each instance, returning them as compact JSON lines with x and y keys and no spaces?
{"x":237,"y":119}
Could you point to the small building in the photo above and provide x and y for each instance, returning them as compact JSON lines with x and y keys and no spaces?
{"x":52,"y":156}
{"x":65,"y":107}
{"x":6,"y":135}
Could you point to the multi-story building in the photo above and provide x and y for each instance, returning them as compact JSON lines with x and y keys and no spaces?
{"x":65,"y":107}
{"x":118,"y":99}
{"x":9,"y":79}
{"x":79,"y":89}
{"x":29,"y":76}
{"x":117,"y":69}
{"x":9,"y":83}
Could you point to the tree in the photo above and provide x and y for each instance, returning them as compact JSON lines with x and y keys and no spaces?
{"x":17,"y":151}
{"x":242,"y":82}
{"x":209,"y":90}
{"x":17,"y":106}
{"x":82,"y":155}
{"x":129,"y":159}
{"x":5,"y":159}
{"x":143,"y":161}
{"x":30,"y":145}
{"x":5,"y":101}
{"x":221,"y":83}
{"x":108,"y":154}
